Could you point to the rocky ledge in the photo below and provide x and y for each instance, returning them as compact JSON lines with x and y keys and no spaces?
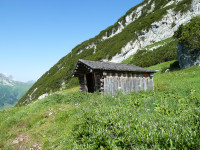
{"x":188,"y":57}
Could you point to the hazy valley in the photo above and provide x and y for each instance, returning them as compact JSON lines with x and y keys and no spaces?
{"x":11,"y":91}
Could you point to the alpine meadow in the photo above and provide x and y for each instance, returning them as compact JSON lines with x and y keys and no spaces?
{"x":55,"y":114}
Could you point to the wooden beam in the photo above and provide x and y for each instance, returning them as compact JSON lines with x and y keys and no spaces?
{"x":95,"y":81}
{"x":85,"y":82}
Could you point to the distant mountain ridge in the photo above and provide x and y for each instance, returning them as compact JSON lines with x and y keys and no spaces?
{"x":11,"y":91}
{"x":6,"y":80}
{"x":31,"y":81}
{"x":150,"y":22}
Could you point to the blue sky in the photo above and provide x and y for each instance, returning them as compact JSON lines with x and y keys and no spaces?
{"x":35,"y":34}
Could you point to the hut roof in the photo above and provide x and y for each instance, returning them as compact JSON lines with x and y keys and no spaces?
{"x":108,"y":66}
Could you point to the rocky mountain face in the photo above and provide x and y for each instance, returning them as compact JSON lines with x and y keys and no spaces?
{"x":187,"y":59}
{"x":11,"y":91}
{"x":143,"y":25}
{"x":159,"y":30}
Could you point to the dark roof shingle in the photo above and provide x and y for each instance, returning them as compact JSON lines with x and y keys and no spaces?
{"x":97,"y":65}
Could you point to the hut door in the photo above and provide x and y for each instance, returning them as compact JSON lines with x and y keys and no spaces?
{"x":90,"y":82}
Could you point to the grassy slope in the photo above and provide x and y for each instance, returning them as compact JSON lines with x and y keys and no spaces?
{"x":167,"y":117}
{"x":61,"y":72}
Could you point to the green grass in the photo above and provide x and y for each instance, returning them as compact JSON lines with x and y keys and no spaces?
{"x":166,"y":118}
{"x":160,"y":43}
{"x":160,"y":67}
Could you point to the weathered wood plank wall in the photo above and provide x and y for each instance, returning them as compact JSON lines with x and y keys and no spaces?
{"x":114,"y":82}
{"x":127,"y":82}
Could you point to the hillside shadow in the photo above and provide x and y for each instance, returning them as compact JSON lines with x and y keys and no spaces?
{"x":173,"y":67}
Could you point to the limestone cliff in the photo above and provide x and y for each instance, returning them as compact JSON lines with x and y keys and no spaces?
{"x":160,"y":30}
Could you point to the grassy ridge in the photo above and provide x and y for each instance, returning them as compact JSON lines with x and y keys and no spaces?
{"x":165,"y":118}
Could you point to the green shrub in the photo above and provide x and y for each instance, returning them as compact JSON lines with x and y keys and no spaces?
{"x":189,"y":35}
{"x":183,"y":6}
{"x":175,"y":65}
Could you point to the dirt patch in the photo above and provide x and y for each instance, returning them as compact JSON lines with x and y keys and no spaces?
{"x":16,"y":127}
{"x":22,"y":125}
{"x":36,"y":147}
{"x":21,"y":142}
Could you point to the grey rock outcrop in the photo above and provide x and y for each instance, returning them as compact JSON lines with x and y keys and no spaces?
{"x":160,"y":30}
{"x":186,"y":57}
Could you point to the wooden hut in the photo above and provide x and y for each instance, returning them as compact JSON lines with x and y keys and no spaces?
{"x":110,"y":77}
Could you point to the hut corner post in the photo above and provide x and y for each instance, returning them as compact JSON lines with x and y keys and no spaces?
{"x":104,"y":83}
{"x":151,"y":79}
{"x":85,"y":83}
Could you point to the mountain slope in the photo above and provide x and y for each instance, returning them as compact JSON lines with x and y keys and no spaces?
{"x":166,"y":118}
{"x":11,"y":91}
{"x":149,"y":22}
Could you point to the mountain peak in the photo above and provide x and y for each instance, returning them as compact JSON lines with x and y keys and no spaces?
{"x":6,"y":79}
